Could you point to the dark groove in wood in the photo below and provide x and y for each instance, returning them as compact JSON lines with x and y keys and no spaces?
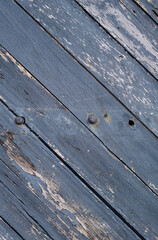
{"x":114,"y":38}
{"x":145,"y":12}
{"x":28,"y":213}
{"x":84,"y":126}
{"x":11,"y":227}
{"x":81,"y":179}
{"x":84,"y":66}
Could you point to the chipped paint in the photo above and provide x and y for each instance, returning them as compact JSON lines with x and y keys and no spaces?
{"x":14,"y":153}
{"x":3,"y":56}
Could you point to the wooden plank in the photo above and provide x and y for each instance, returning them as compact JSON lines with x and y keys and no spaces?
{"x":131,"y":27}
{"x":100,"y":54}
{"x":6,"y":232}
{"x":82,"y":151}
{"x":14,"y":213}
{"x":35,"y":185}
{"x":134,"y":145}
{"x":150,"y":7}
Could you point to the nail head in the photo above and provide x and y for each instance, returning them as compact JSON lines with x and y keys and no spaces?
{"x":19,"y":120}
{"x":92,"y":119}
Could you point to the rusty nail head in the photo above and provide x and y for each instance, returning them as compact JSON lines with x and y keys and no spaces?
{"x":19,"y":120}
{"x":92,"y":118}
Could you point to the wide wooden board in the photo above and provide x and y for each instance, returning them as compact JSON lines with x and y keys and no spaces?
{"x":73,"y":143}
{"x":42,"y":197}
{"x":99,"y":53}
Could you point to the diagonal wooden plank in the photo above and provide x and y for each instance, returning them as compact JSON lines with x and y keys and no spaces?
{"x":6,"y":231}
{"x":35,"y":185}
{"x":131,"y":27}
{"x":134,"y":145}
{"x":150,"y":7}
{"x":13,"y":212}
{"x":100,"y":54}
{"x":81,"y":150}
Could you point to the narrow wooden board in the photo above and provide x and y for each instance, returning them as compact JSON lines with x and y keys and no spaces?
{"x":131,"y":27}
{"x":41,"y":196}
{"x":135,"y":146}
{"x":150,"y":7}
{"x":100,"y":54}
{"x":82,"y":151}
{"x":6,"y":232}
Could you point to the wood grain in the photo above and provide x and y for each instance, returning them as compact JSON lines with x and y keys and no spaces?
{"x":130,"y":26}
{"x":82,"y":151}
{"x":6,"y":232}
{"x":150,"y":7}
{"x":135,"y":146}
{"x":100,"y":54}
{"x":43,"y":199}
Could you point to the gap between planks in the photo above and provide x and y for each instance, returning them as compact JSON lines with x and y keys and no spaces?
{"x":1,"y":218}
{"x":80,"y":178}
{"x":93,"y":18}
{"x":85,"y":67}
{"x":108,"y":149}
{"x":140,"y":6}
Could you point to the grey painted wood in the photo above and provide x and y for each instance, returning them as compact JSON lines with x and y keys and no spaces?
{"x":44,"y":199}
{"x":134,"y":30}
{"x":135,"y":146}
{"x":79,"y":148}
{"x":150,"y":7}
{"x":100,"y":54}
{"x":6,"y":232}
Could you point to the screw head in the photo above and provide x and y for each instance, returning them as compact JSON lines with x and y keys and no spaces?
{"x":19,"y":120}
{"x":92,"y":118}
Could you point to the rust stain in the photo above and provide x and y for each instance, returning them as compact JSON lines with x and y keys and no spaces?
{"x":14,"y":152}
{"x":106,"y":116}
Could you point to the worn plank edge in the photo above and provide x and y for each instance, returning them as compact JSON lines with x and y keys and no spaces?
{"x":108,"y":149}
{"x":85,"y":67}
{"x":14,"y":230}
{"x":145,"y":11}
{"x":93,"y":18}
{"x":80,"y":178}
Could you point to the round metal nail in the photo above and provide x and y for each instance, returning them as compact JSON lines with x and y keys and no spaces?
{"x":92,"y":119}
{"x":19,"y":120}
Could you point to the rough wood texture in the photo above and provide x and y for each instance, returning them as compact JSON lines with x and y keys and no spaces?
{"x":98,"y":52}
{"x":81,"y":150}
{"x":150,"y":7}
{"x":41,"y":198}
{"x":77,"y":89}
{"x":125,"y":21}
{"x":6,"y":232}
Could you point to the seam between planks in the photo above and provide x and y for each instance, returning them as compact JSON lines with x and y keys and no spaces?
{"x":79,"y":177}
{"x":113,"y":38}
{"x":27,"y":212}
{"x":84,"y":66}
{"x":108,"y":149}
{"x":145,"y":12}
{"x":11,"y":227}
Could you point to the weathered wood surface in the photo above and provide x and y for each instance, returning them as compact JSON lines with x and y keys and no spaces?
{"x":43,"y":199}
{"x":134,"y":29}
{"x":6,"y":232}
{"x":150,"y":7}
{"x":98,"y":52}
{"x":82,"y":151}
{"x":77,"y":89}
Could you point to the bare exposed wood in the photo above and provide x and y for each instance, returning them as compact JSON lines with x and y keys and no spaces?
{"x":80,"y":149}
{"x":101,"y":55}
{"x":41,"y":198}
